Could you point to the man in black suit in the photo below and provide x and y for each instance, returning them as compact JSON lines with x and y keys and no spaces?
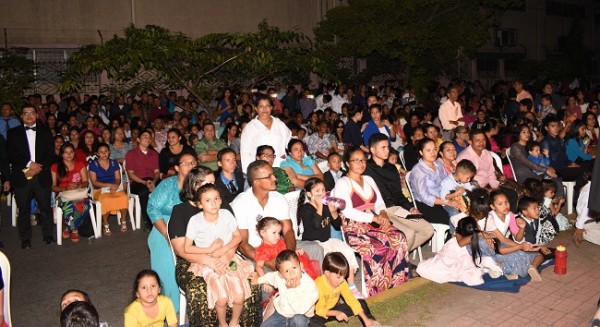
{"x":229,"y":181}
{"x":31,"y":151}
{"x":4,"y":168}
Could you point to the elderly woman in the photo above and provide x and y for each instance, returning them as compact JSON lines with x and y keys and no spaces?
{"x":70,"y":174}
{"x":160,"y":204}
{"x":426,"y":183}
{"x":298,"y":165}
{"x":368,"y":229}
{"x":195,"y":286}
{"x":105,"y":175}
{"x":264,"y":129}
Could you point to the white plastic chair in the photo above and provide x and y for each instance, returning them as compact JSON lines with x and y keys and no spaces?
{"x":292,"y":200}
{"x":497,"y":161}
{"x":323,"y":166}
{"x":135,"y":207}
{"x":570,"y":191}
{"x":58,"y":219}
{"x":98,"y":206}
{"x":13,"y":208}
{"x":401,"y":157}
{"x":5,"y":265}
{"x":439,"y":230}
{"x":182,"y":300}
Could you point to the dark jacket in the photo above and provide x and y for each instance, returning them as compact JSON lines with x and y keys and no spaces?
{"x":387,"y":179}
{"x":227,"y":195}
{"x":329,"y":181}
{"x":4,"y":168}
{"x":18,"y":154}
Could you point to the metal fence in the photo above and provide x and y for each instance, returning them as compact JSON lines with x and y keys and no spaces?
{"x":48,"y":67}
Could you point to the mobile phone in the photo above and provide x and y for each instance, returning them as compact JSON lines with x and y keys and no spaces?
{"x":274,"y":95}
{"x":415,"y":216}
{"x":539,"y":107}
{"x":254,"y":90}
{"x":310,"y":96}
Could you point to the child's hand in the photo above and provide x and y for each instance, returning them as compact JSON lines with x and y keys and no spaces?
{"x":216,"y":244}
{"x":371,"y":322}
{"x":546,"y":152}
{"x":254,"y":278}
{"x":521,"y":223}
{"x":267,"y":288}
{"x":545,"y":250}
{"x":340,"y":316}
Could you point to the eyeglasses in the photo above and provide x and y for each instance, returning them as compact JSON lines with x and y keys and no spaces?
{"x":357,"y":161}
{"x":187,"y":163}
{"x":264,"y":155}
{"x":29,"y":113}
{"x":266,"y":177}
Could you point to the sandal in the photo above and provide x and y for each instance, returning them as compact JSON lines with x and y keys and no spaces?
{"x":75,"y":236}
{"x":66,"y":233}
{"x":106,"y":230}
{"x":123,"y":226}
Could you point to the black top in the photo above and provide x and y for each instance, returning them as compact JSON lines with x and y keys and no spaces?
{"x":168,"y":159}
{"x":352,"y":134}
{"x":387,"y":179}
{"x":411,"y":156}
{"x":4,"y":168}
{"x":316,"y":227}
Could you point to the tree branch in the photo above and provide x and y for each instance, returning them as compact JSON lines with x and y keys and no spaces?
{"x":436,"y":14}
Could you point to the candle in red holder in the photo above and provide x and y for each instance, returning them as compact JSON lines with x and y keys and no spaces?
{"x":560,"y":260}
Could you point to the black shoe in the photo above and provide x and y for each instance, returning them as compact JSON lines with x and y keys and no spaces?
{"x":48,"y":240}
{"x":26,"y":245}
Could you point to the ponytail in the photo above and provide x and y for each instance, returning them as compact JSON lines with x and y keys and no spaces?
{"x":301,"y":200}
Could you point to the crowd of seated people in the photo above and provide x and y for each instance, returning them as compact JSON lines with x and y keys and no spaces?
{"x":266,"y":144}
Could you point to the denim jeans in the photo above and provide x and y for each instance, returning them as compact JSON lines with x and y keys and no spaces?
{"x":277,"y":320}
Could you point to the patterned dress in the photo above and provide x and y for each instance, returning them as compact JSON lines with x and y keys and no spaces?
{"x":383,"y":250}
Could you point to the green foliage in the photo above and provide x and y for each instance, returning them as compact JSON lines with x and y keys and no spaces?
{"x":153,"y":57}
{"x":420,"y":38}
{"x":16,"y":74}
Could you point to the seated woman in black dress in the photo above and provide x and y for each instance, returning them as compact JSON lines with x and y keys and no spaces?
{"x":195,"y":286}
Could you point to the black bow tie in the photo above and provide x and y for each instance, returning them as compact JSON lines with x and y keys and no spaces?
{"x":30,"y":128}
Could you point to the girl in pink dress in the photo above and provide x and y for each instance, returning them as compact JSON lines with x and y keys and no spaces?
{"x":214,"y":232}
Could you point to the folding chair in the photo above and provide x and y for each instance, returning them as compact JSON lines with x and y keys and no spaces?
{"x":5,"y":265}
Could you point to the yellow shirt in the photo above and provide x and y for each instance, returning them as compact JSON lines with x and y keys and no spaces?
{"x":135,"y":316}
{"x":329,"y":297}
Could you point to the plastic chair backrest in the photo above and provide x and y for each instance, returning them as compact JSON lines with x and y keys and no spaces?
{"x":5,"y":265}
{"x":497,"y":160}
{"x":323,"y":166}
{"x":401,"y":156}
{"x":511,"y":164}
{"x":410,"y":189}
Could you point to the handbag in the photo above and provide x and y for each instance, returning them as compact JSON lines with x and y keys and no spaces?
{"x":73,"y":195}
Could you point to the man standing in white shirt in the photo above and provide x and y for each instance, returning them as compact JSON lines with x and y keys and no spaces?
{"x":450,"y":114}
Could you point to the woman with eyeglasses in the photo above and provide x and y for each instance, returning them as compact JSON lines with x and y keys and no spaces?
{"x":160,"y":205}
{"x":367,"y":227}
{"x":461,"y":138}
{"x":284,"y":184}
{"x":195,"y":286}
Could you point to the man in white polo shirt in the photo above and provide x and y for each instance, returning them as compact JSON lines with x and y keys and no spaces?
{"x":450,"y":114}
{"x":261,"y":200}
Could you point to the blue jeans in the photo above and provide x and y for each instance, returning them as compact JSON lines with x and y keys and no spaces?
{"x":277,"y":320}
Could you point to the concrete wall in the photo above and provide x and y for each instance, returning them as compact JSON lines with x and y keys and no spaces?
{"x":72,"y":23}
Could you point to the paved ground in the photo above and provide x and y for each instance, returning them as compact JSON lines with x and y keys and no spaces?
{"x":107,"y":266}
